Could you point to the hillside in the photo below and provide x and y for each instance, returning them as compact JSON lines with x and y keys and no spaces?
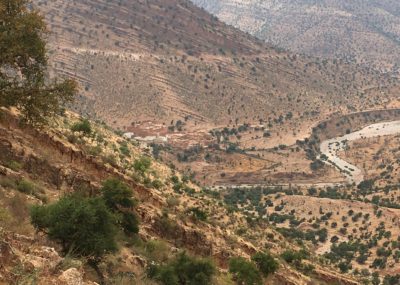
{"x":363,"y":31}
{"x":226,"y":162}
{"x":169,"y":60}
{"x":40,"y":166}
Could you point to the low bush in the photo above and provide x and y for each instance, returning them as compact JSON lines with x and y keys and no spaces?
{"x":183,"y":269}
{"x":244,"y":272}
{"x":265,"y":263}
{"x":83,"y":127}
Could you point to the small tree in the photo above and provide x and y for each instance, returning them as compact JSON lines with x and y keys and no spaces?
{"x":117,"y":194}
{"x":23,"y":64}
{"x":142,"y":164}
{"x":83,"y":226}
{"x":119,"y":199}
{"x":184,"y":270}
{"x":244,"y":271}
{"x":265,"y":263}
{"x":83,"y":127}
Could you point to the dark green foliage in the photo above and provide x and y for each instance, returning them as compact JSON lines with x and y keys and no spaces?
{"x":118,"y":198}
{"x":183,"y":270}
{"x":312,"y":191}
{"x":124,"y":149}
{"x":157,"y":184}
{"x":23,"y":64}
{"x":265,"y":263}
{"x":344,"y":267}
{"x":379,"y":263}
{"x":391,"y":280}
{"x":190,"y":154}
{"x":366,"y":185}
{"x":130,"y":223}
{"x":83,"y":127}
{"x":142,"y":164}
{"x":198,"y":214}
{"x":332,"y":193}
{"x":310,"y":235}
{"x":117,"y":195}
{"x":244,"y":271}
{"x":291,"y":256}
{"x":316,"y":165}
{"x":83,"y":226}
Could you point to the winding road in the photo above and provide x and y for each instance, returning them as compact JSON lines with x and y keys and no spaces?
{"x":330,"y":148}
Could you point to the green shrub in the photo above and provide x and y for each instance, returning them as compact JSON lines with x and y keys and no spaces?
{"x":142,"y":164}
{"x":157,"y":184}
{"x":244,"y":271}
{"x":119,"y":199}
{"x":124,"y":149}
{"x":183,"y":270}
{"x":84,"y":226}
{"x":83,"y":127}
{"x":14,"y":165}
{"x":130,"y":223}
{"x":117,"y":194}
{"x":94,"y":150}
{"x":25,"y":186}
{"x":5,"y":216}
{"x":198,"y":214}
{"x":266,"y":264}
{"x":291,"y":256}
{"x":28,"y":187}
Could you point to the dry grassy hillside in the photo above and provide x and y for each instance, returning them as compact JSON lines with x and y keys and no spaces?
{"x":40,"y":166}
{"x":168,"y":60}
{"x":357,"y":30}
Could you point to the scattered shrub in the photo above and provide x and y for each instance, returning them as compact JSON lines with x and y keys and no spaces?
{"x":266,"y":264}
{"x":244,"y":271}
{"x":83,"y":127}
{"x":183,"y":270}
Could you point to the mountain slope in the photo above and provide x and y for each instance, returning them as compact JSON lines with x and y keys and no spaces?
{"x":169,"y":60}
{"x":366,"y":31}
{"x":55,"y":161}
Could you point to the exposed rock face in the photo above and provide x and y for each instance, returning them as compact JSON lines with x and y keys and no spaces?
{"x":71,"y":277}
{"x":42,"y":258}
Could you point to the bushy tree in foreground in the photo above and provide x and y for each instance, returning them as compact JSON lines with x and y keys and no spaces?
{"x":23,"y":64}
{"x":83,"y":226}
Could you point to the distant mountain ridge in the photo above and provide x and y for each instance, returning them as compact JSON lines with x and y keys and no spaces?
{"x":167,"y":60}
{"x":364,"y":30}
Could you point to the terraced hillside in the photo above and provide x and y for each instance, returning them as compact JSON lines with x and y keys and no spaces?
{"x":364,"y":30}
{"x":169,"y":60}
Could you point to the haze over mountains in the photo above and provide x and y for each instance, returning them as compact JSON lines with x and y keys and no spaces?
{"x":367,"y":31}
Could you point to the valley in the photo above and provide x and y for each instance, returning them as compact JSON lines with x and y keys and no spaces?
{"x":194,"y":148}
{"x":330,"y":148}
